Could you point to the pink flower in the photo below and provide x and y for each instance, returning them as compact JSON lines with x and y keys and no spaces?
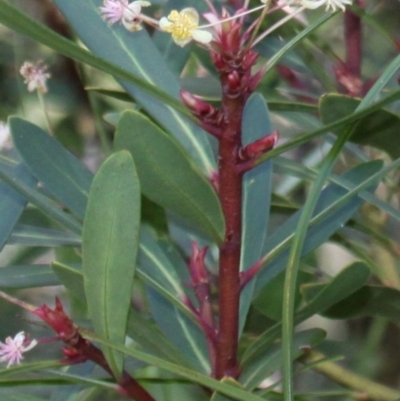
{"x":35,"y":76}
{"x":113,"y":10}
{"x":13,"y":349}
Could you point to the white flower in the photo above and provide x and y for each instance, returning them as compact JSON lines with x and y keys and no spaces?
{"x":330,"y":4}
{"x":183,"y":27}
{"x":13,"y":349}
{"x":5,"y":137}
{"x":131,"y":16}
{"x":35,"y":76}
{"x":113,"y":10}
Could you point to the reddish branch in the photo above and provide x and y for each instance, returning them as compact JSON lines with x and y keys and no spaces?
{"x":78,"y":350}
{"x":348,"y":73}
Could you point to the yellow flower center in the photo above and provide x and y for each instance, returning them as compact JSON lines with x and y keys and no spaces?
{"x":183,"y":25}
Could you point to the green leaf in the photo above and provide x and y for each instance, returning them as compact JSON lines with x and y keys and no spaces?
{"x":38,"y":236}
{"x":12,"y":203}
{"x":379,"y":129}
{"x":303,"y":138}
{"x":109,"y":248}
{"x":62,"y":174}
{"x":269,"y":300}
{"x":231,"y":382}
{"x":154,"y":268}
{"x":296,"y":40}
{"x":157,"y":270}
{"x":256,"y":197}
{"x":192,"y":375}
{"x":149,"y":337}
{"x":269,"y":362}
{"x":167,"y":175}
{"x":347,"y":282}
{"x":180,"y":330}
{"x":47,"y":206}
{"x":27,"y":276}
{"x":367,"y":301}
{"x":276,"y":245}
{"x":136,"y":53}
{"x":71,"y":277}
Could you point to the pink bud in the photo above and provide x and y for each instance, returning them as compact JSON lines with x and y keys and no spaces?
{"x":57,"y":320}
{"x":234,"y":83}
{"x":259,"y":147}
{"x":249,"y":60}
{"x":199,"y":107}
{"x":232,"y":38}
{"x":197,"y":268}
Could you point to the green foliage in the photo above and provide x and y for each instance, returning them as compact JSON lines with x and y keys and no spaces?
{"x":111,"y":227}
{"x":140,"y":224}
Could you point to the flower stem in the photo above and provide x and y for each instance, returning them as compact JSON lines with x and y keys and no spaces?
{"x":230,"y":193}
{"x":46,"y":114}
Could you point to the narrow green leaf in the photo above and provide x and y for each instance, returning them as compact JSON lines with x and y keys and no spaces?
{"x":256,"y":197}
{"x":297,"y":39}
{"x":367,"y":301}
{"x":43,"y":203}
{"x":149,"y":337}
{"x":167,"y":175}
{"x":63,"y":175}
{"x":180,"y":330}
{"x":321,"y":230}
{"x":156,"y":268}
{"x":136,"y":53}
{"x":300,"y":139}
{"x":72,"y":278}
{"x":12,"y":203}
{"x":379,"y":129}
{"x":347,"y":282}
{"x":109,"y":248}
{"x":269,"y":362}
{"x":226,"y":380}
{"x":29,"y":367}
{"x":38,"y":236}
{"x":30,"y":276}
{"x":195,"y":377}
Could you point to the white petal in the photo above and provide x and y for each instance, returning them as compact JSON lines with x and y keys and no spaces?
{"x":132,"y":11}
{"x":165,"y":23}
{"x":143,"y":3}
{"x":182,"y":42}
{"x":312,"y":5}
{"x":202,"y":36}
{"x":192,"y":14}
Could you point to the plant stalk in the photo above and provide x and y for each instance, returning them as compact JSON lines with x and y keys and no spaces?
{"x":353,"y":40}
{"x":230,"y":193}
{"x":347,"y":378}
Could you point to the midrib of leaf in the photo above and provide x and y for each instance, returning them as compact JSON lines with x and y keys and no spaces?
{"x":58,"y":168}
{"x":193,"y":344}
{"x":161,"y":269}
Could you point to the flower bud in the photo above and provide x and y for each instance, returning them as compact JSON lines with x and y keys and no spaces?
{"x":198,"y":107}
{"x":259,"y":147}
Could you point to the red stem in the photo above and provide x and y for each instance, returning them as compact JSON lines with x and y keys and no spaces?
{"x":353,"y":38}
{"x":128,"y":385}
{"x":230,"y":193}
